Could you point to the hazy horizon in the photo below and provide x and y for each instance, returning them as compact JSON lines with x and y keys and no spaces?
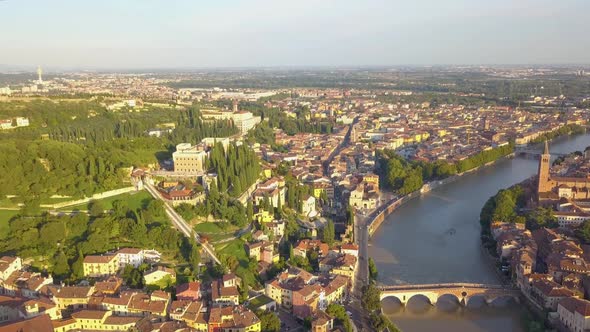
{"x":232,"y":34}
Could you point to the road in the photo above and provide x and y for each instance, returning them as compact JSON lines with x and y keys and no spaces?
{"x":361,"y":237}
{"x":359,"y":316}
{"x":343,"y":144}
{"x":180,"y":224}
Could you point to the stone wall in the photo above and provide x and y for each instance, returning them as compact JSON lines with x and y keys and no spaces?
{"x":102,"y":195}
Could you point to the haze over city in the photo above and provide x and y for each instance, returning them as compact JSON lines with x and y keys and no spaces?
{"x":266,"y":33}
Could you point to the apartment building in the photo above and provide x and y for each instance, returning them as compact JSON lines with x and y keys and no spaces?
{"x":130,"y":256}
{"x":188,"y":158}
{"x":101,"y":265}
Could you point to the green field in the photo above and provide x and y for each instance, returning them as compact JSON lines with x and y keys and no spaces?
{"x":7,"y":203}
{"x":256,"y":302}
{"x":166,"y":283}
{"x":236,"y":249}
{"x":55,"y":200}
{"x":5,"y":216}
{"x":233,"y":248}
{"x":214,"y":231}
{"x":135,"y":200}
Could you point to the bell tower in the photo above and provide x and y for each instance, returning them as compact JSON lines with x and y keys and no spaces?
{"x":543,"y":173}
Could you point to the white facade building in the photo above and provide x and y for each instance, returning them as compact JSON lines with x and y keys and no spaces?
{"x":9,"y":265}
{"x":574,"y":314}
{"x":22,"y":122}
{"x":570,"y":219}
{"x":245,"y":121}
{"x":130,"y":256}
{"x":5,"y":91}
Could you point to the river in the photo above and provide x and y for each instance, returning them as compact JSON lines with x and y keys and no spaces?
{"x":436,"y":239}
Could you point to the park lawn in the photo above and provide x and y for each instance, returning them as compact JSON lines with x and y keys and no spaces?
{"x":236,"y":248}
{"x":258,"y":301}
{"x":215,"y":238}
{"x":136,"y":200}
{"x":8,"y":203}
{"x":233,"y":248}
{"x":55,"y":200}
{"x":5,"y":216}
{"x":214,"y":232}
{"x":146,"y":156}
{"x":214,"y":227}
{"x":165,"y":283}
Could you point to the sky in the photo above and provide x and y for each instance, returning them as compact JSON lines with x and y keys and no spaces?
{"x":277,"y":33}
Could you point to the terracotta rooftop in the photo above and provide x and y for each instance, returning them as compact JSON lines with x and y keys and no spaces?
{"x":551,"y":289}
{"x":41,"y":323}
{"x":11,"y":301}
{"x":218,"y":291}
{"x":573,"y":304}
{"x":69,"y":292}
{"x":129,"y":251}
{"x":189,"y":286}
{"x":99,"y":259}
{"x":121,"y":320}
{"x":90,"y":314}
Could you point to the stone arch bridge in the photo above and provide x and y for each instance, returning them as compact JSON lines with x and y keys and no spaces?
{"x":462,"y":292}
{"x":532,"y":154}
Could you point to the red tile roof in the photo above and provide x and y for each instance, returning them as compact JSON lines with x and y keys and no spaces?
{"x":40,"y":323}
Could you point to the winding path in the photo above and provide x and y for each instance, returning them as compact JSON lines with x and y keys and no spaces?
{"x":180,"y":224}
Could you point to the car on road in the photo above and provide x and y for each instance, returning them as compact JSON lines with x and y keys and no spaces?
{"x":349,"y":313}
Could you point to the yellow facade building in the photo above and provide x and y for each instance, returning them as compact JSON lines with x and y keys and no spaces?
{"x":95,"y":320}
{"x":264,"y":216}
{"x":101,"y":265}
{"x":72,"y":297}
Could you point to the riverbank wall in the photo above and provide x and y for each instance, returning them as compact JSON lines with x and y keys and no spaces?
{"x":377,"y":217}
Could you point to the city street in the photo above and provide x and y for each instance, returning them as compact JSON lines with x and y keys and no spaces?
{"x":362,"y":273}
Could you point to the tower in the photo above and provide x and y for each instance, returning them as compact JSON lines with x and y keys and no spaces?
{"x":40,"y":74}
{"x":235,"y":106}
{"x":543,"y":173}
{"x":486,"y":123}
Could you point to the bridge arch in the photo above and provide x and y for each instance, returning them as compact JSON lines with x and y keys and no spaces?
{"x":461,"y":292}
{"x":476,"y":300}
{"x":431,"y":298}
{"x":394,"y":300}
{"x":453,"y":297}
{"x":404,"y":298}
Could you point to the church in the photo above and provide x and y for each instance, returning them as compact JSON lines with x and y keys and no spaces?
{"x":552,"y":188}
